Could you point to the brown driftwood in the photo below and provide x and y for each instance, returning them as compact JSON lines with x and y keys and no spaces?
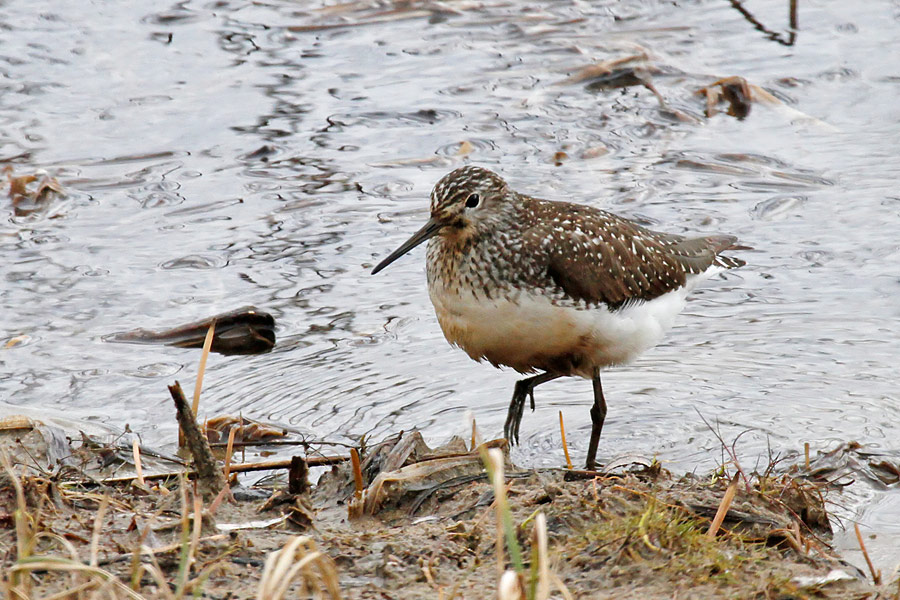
{"x":267,"y":465}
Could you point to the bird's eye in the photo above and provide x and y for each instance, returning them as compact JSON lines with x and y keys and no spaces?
{"x":473,"y":200}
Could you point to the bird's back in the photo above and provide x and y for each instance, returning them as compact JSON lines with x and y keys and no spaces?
{"x":597,"y":257}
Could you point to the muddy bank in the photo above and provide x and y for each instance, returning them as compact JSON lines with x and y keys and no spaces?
{"x":424,"y":526}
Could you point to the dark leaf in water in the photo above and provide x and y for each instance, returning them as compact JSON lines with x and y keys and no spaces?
{"x":605,"y":69}
{"x":242,"y":331}
{"x":618,"y":73}
{"x":618,"y":78}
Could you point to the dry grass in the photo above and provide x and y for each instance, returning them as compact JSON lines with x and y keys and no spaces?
{"x":87,"y":578}
{"x":299,"y":560}
{"x":298,"y":569}
{"x":646,"y":532}
{"x":83,"y":578}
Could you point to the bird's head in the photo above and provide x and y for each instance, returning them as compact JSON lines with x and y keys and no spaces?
{"x":464,"y":202}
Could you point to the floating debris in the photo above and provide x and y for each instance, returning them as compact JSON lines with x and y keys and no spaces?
{"x":246,"y":430}
{"x":25,"y":199}
{"x":245,"y":330}
{"x":851,"y":461}
{"x":740,"y":95}
{"x":618,"y":73}
{"x":737,"y":93}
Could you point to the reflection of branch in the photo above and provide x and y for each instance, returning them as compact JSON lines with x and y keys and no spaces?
{"x":777,"y":37}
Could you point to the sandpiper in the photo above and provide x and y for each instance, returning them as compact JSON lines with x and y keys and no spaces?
{"x":552,"y":288}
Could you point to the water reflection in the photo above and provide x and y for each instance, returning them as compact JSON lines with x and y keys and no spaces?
{"x":232,"y":154}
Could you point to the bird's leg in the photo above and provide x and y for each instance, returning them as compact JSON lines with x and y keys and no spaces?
{"x":598,"y":415}
{"x":524,"y":389}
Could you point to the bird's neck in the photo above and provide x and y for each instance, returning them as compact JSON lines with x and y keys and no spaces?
{"x":477,"y":262}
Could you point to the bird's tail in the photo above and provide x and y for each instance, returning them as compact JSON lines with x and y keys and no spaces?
{"x":721,"y":243}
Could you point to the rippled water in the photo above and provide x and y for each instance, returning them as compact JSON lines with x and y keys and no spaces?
{"x":270,"y":153}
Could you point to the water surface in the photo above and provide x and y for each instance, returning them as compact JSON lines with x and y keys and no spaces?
{"x":219,"y":154}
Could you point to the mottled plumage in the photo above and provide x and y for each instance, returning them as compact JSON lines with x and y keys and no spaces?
{"x":552,"y":286}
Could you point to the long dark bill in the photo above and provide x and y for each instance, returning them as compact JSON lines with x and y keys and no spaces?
{"x":428,"y":231}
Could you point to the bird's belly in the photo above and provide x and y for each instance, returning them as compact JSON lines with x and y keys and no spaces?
{"x":528,"y":332}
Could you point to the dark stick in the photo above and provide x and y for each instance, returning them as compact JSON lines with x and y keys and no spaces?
{"x":209,"y":476}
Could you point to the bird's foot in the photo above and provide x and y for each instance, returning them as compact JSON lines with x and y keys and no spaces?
{"x":524,"y":389}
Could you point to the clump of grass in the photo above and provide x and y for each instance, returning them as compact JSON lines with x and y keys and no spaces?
{"x":299,"y":559}
{"x":185,"y":581}
{"x":800,"y":503}
{"x":644,"y":529}
{"x":649,"y":532}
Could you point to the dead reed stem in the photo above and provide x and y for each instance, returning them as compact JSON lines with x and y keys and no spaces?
{"x":357,"y":472}
{"x":543,"y":555}
{"x":201,"y":370}
{"x":138,"y":467}
{"x":266,"y":465}
{"x":228,"y":450}
{"x":98,"y":525}
{"x":727,"y":499}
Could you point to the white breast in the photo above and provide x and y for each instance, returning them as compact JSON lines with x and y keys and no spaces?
{"x":526,"y":331}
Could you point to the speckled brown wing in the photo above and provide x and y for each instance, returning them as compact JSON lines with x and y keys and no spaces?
{"x":598,"y":257}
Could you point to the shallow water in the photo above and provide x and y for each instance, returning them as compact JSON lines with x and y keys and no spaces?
{"x":270,"y":153}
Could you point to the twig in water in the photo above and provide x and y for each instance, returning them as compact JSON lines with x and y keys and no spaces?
{"x":305,"y":443}
{"x":562,"y":432}
{"x":876,"y":575}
